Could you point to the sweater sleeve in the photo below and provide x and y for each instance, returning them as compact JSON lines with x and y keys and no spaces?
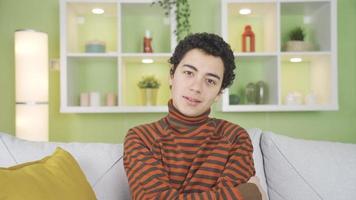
{"x":238,"y":170}
{"x":240,"y":167}
{"x":146,"y":175}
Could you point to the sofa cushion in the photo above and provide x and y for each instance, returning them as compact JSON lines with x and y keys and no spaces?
{"x":255,"y":135}
{"x":304,"y":169}
{"x":101,"y":163}
{"x":57,"y":176}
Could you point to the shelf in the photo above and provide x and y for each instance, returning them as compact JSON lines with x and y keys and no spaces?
{"x":115,"y":109}
{"x":314,"y":17}
{"x":139,"y":17}
{"x":84,"y":26}
{"x":144,"y":55}
{"x":310,"y":85}
{"x":88,"y":55}
{"x":257,"y":54}
{"x":312,"y":75}
{"x":251,"y":70}
{"x":118,"y":66}
{"x":133,"y":70}
{"x":86,"y":75}
{"x":306,"y":53}
{"x":262,"y":20}
{"x":278,"y":108}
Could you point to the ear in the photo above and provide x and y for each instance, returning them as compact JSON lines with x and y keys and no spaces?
{"x":170,"y":80}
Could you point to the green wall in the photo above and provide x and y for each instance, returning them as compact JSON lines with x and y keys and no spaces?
{"x":43,"y":15}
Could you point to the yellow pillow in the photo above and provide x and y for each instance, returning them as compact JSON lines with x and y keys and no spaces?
{"x":54,"y":177}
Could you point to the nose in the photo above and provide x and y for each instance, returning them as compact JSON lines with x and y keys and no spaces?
{"x":196,"y":85}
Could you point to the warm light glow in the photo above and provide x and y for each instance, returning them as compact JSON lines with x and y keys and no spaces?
{"x":31,"y":60}
{"x":32,"y":122}
{"x":245,"y":11}
{"x":31,"y":69}
{"x":296,"y":60}
{"x":147,"y":60}
{"x":97,"y":11}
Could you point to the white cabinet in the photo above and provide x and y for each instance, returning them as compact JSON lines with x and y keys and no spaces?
{"x":308,"y":85}
{"x":116,"y":69}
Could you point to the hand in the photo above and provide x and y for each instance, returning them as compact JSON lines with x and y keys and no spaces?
{"x":256,"y":181}
{"x":249,"y":191}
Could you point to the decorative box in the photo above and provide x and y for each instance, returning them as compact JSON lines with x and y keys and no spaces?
{"x":95,"y":47}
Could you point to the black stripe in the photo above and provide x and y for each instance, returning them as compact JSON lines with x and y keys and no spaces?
{"x":209,"y":196}
{"x":228,"y":188}
{"x":204,"y":176}
{"x":223,"y":195}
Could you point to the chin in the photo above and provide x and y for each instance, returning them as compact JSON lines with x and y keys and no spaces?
{"x":186,"y":109}
{"x":191,"y":113}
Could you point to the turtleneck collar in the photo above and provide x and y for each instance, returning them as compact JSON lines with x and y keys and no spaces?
{"x":182,"y":123}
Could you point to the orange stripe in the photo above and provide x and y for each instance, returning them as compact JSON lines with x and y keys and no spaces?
{"x":144,"y":159}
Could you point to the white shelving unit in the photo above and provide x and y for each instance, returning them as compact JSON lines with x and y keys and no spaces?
{"x":121,"y":27}
{"x":271,"y":20}
{"x":120,"y":67}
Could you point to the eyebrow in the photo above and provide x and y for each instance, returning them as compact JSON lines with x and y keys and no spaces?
{"x":195,"y":69}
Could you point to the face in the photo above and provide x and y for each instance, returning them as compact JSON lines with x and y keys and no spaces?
{"x":196,"y":82}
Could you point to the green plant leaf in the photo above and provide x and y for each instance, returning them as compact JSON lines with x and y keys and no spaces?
{"x":182,"y":12}
{"x":297,"y":34}
{"x":149,"y":82}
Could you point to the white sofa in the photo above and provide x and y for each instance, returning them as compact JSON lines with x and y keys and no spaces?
{"x":287,"y":168}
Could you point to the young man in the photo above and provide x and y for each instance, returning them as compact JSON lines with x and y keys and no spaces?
{"x":187,"y":155}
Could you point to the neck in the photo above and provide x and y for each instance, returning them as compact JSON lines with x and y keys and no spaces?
{"x":183,"y":123}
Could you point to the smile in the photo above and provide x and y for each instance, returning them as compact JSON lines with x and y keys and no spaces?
{"x":192,"y":100}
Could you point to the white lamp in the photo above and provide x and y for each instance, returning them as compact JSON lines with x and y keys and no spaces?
{"x":31,"y":61}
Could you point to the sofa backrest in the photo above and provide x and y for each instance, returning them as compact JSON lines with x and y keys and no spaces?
{"x":255,"y":135}
{"x":304,"y":169}
{"x":101,"y":163}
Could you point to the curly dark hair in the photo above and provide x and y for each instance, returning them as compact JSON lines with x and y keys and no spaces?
{"x":211,"y":44}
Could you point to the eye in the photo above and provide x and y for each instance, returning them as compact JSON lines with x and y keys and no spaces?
{"x":188,"y":73}
{"x":211,"y":82}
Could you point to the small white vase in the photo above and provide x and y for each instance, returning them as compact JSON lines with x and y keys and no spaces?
{"x":310,"y":99}
{"x":94,"y":99}
{"x":293,"y":98}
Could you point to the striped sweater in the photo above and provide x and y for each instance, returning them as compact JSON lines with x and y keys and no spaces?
{"x":181,"y":157}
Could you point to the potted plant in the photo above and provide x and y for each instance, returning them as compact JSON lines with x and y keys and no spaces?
{"x":182,"y":11}
{"x":149,"y":86}
{"x":296,"y":40}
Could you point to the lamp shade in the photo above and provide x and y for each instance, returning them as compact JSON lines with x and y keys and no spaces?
{"x":31,"y":59}
{"x":31,"y":69}
{"x":32,"y":122}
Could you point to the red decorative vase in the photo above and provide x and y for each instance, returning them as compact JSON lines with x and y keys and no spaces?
{"x":248,"y":33}
{"x":147,"y":43}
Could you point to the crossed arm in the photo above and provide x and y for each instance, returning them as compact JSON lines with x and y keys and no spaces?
{"x":148,"y":178}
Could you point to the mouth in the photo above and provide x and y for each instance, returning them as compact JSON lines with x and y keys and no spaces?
{"x":191,"y":100}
